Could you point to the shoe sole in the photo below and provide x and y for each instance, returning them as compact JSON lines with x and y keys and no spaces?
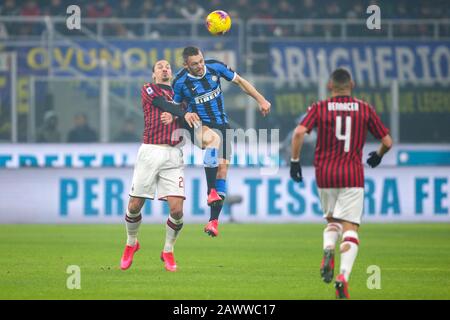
{"x":327,"y":272}
{"x":340,"y":292}
{"x":210,"y":233}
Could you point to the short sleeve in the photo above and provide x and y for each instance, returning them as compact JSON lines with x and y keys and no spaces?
{"x":375,"y":125}
{"x":148,"y":93}
{"x":223,"y":70}
{"x":309,"y":120}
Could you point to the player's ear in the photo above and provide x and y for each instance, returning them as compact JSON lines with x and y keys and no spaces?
{"x":352,"y":84}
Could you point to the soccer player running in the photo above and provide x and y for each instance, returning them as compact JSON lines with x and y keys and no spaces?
{"x":159,"y":166}
{"x":198,"y":85}
{"x":342,"y":122}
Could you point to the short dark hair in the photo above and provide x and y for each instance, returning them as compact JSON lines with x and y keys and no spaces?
{"x":190,"y":51}
{"x":341,"y":77}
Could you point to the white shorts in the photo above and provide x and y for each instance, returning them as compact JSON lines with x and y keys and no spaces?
{"x":342,"y":203}
{"x":158,"y":168}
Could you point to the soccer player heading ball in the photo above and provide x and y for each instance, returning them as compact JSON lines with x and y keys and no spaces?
{"x":198,"y":85}
{"x":342,"y":122}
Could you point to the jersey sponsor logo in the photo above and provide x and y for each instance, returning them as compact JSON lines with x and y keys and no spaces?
{"x":343,"y":106}
{"x":208,"y":96}
{"x":149,"y":90}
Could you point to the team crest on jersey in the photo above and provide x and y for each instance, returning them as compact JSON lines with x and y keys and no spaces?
{"x":149,"y":90}
{"x":214,"y":78}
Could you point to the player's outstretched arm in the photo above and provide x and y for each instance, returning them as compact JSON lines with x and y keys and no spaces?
{"x":297,"y":143}
{"x":376,"y":156}
{"x":192,"y":119}
{"x":248,"y":88}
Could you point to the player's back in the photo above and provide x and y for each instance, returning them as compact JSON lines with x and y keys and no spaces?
{"x":342,"y":123}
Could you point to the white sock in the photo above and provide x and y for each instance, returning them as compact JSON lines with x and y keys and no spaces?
{"x":173,"y":227}
{"x":349,"y":251}
{"x":331,"y":235}
{"x":133,"y":221}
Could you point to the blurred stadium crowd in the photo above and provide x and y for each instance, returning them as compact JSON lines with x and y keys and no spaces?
{"x":242,"y":9}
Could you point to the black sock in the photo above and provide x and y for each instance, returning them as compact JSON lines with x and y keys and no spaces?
{"x":216,"y":209}
{"x":211,"y":174}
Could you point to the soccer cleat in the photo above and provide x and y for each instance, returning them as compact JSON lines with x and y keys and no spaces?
{"x":341,"y":287}
{"x":213,"y":198}
{"x":211,"y":228}
{"x":169,"y":261}
{"x":127,"y":257}
{"x":327,"y":266}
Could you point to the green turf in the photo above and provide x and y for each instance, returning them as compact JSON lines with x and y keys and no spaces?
{"x":256,"y":261}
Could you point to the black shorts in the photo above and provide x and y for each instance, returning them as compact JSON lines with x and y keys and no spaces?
{"x":221,"y":130}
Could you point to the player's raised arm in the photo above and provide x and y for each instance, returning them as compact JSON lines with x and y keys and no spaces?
{"x":248,"y":88}
{"x":191,"y":118}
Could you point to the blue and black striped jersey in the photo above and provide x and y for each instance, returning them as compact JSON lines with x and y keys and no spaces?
{"x":203,"y":95}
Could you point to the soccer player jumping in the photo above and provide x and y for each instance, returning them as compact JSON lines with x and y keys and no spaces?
{"x":198,"y":84}
{"x":342,"y":122}
{"x":159,"y":165}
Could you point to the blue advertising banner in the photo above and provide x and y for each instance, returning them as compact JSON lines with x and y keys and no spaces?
{"x":121,"y":57}
{"x":372,"y":64}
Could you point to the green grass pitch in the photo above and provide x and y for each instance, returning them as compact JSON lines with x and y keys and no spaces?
{"x":246,"y":261}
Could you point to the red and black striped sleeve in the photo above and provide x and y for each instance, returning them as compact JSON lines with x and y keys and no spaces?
{"x":375,"y":125}
{"x":148,"y":93}
{"x":310,"y":119}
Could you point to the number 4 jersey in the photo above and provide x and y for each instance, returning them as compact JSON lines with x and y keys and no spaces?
{"x":342,"y":123}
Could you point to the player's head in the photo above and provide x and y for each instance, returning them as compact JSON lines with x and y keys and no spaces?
{"x":80,"y":119}
{"x":162,"y":72}
{"x":193,"y":61}
{"x":341,"y":81}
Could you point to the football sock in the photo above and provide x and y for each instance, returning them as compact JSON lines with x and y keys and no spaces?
{"x":173,"y":227}
{"x":133,"y":221}
{"x":349,"y":250}
{"x":331,"y":235}
{"x":221,"y":189}
{"x":211,"y":162}
{"x":215,"y":210}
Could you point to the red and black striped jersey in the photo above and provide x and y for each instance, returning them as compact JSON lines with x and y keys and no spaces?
{"x":156,"y":132}
{"x":342,"y":124}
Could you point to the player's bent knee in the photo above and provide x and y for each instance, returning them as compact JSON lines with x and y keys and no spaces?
{"x":176,"y":213}
{"x":211,"y":139}
{"x":135,"y":205}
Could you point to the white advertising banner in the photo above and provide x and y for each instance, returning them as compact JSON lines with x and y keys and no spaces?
{"x":119,"y":155}
{"x":96,"y":195}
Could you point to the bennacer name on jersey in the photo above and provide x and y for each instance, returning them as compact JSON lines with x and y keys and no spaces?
{"x":208,"y":96}
{"x":343,"y":106}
